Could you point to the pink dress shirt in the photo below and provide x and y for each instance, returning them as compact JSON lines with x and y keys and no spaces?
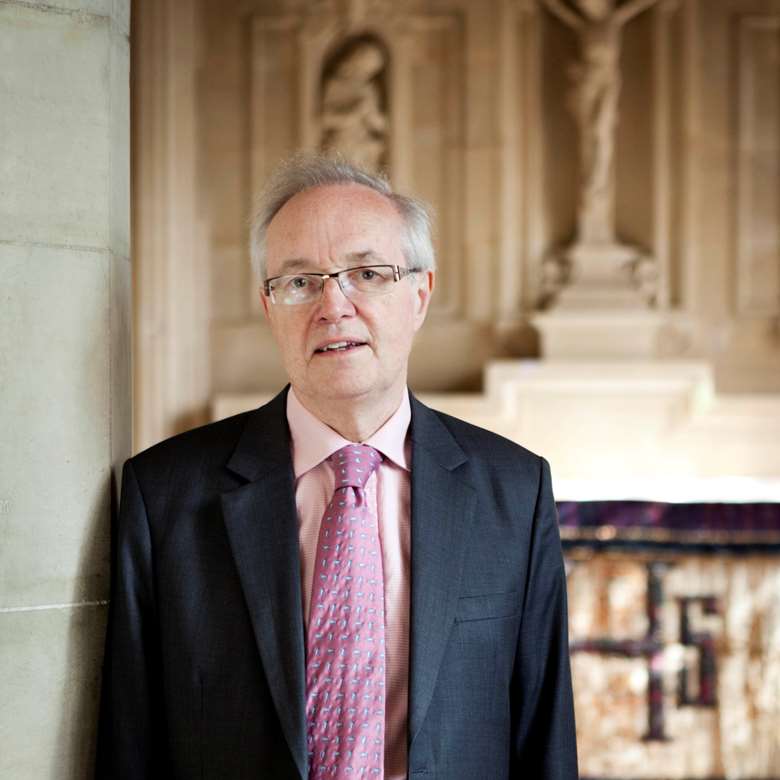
{"x":388,"y":492}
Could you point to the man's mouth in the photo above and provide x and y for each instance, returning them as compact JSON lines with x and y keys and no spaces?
{"x":339,"y":346}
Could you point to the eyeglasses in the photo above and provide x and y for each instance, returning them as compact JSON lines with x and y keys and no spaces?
{"x":295,"y":289}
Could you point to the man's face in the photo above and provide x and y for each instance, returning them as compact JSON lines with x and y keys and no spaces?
{"x":326,"y":229}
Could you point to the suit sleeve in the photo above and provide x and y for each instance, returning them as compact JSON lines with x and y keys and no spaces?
{"x":131,"y":731}
{"x":544,"y":740}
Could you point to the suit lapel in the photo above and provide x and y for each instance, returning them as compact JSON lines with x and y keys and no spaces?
{"x":442,"y":516}
{"x":262,"y":526}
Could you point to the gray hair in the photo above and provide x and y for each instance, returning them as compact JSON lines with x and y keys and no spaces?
{"x":305,"y":171}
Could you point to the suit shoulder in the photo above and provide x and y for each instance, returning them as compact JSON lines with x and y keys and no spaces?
{"x":211,"y":442}
{"x":487,"y":445}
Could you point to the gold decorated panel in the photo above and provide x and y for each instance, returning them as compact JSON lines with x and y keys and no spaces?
{"x":676,"y":666}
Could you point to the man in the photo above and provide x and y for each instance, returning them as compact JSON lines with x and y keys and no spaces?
{"x":342,"y":583}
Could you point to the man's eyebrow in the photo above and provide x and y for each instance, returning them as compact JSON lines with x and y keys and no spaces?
{"x":293,"y":264}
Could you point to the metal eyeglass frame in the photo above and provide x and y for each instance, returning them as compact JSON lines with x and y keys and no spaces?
{"x":399,"y":272}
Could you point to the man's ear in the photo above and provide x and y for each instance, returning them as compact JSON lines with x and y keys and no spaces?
{"x":265,"y":302}
{"x":423,"y":294}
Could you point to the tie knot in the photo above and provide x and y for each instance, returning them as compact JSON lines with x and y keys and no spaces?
{"x":354,"y":464}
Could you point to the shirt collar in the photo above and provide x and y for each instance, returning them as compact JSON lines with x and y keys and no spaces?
{"x":313,"y":441}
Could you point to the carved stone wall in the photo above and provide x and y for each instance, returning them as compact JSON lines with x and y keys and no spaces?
{"x":477,"y":123}
{"x":732,"y":242}
{"x":473,"y":104}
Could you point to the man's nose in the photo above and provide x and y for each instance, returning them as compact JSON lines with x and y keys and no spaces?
{"x":334,"y":304}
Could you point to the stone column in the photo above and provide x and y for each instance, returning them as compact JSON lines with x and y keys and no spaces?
{"x":65,"y":388}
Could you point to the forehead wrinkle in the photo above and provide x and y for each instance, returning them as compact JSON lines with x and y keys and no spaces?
{"x":365,"y":257}
{"x":351,"y":259}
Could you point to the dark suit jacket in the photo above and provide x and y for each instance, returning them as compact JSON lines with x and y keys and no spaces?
{"x":204,"y":669}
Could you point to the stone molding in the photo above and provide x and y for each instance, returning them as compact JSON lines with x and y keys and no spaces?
{"x":621,"y":430}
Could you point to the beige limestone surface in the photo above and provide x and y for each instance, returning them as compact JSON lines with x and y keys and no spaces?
{"x":65,"y":386}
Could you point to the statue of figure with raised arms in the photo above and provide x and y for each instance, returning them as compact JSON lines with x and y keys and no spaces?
{"x":594,"y":103}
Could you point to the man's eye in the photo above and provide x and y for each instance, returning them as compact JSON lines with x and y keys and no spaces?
{"x":368,"y":274}
{"x":298,"y":282}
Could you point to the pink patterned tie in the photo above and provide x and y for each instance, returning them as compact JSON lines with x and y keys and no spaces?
{"x":345,"y":653}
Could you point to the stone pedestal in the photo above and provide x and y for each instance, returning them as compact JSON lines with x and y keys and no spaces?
{"x":603,"y":277}
{"x":599,"y":300}
{"x":571,"y":334}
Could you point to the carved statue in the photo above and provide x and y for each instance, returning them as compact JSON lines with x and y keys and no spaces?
{"x":353,"y":122}
{"x":594,"y":103}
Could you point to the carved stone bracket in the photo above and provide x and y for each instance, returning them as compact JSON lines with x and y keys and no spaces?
{"x":600,"y":300}
{"x":615,"y":276}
